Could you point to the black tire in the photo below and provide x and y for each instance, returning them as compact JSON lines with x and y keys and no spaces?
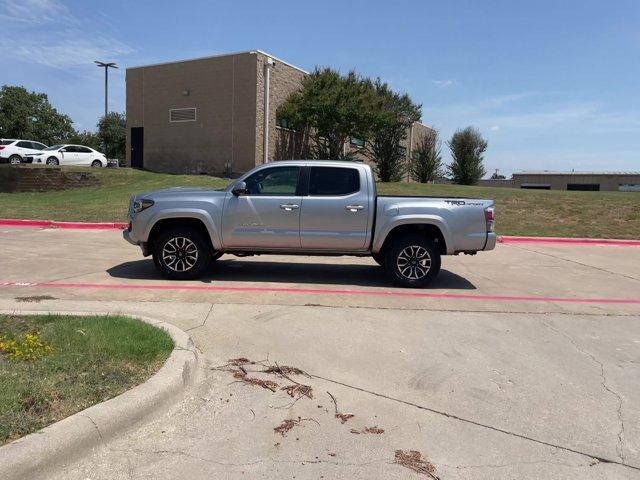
{"x":52,"y":161}
{"x":379,"y":258}
{"x":193,"y":253}
{"x":15,"y":159}
{"x":412,"y":261}
{"x":96,"y":163}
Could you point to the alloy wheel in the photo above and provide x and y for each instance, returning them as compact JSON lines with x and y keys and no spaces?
{"x":180,"y":254}
{"x":414,"y":262}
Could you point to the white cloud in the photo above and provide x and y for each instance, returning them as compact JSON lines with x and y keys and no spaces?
{"x":67,"y":52}
{"x":62,"y":44}
{"x":32,"y":11}
{"x":494,"y":128}
{"x":444,"y":83}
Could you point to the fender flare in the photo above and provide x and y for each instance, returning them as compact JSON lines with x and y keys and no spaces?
{"x":436,"y":221}
{"x":197,"y":214}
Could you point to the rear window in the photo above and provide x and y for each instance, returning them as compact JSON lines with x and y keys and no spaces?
{"x":333,"y":181}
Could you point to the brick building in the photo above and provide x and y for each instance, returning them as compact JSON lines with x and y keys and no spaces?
{"x":207,"y":115}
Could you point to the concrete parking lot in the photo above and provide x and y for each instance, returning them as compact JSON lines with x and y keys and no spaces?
{"x":516,"y":363}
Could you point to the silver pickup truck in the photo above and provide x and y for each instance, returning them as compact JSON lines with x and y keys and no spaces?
{"x":307,"y":208}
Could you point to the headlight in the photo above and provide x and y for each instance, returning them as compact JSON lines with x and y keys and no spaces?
{"x":140,"y":205}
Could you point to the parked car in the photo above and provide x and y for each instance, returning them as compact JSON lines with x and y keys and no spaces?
{"x":310,"y":208}
{"x":15,"y":151}
{"x":71,"y":155}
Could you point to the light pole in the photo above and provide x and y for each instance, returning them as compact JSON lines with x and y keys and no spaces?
{"x":106,"y":66}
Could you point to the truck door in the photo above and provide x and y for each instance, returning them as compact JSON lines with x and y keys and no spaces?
{"x":268,"y":215}
{"x":336,"y":211}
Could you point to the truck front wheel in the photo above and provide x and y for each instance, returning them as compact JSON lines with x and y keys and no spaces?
{"x":412,"y":261}
{"x":181,"y":253}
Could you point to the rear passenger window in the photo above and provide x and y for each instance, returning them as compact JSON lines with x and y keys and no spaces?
{"x":333,"y":181}
{"x":24,"y":144}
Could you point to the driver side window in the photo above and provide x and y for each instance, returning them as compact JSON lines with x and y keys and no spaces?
{"x":274,"y":181}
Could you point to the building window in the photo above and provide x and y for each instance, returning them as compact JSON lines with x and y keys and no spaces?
{"x":284,"y":123}
{"x":536,"y":186}
{"x":182,"y":115}
{"x":356,"y":142}
{"x":585,"y":187}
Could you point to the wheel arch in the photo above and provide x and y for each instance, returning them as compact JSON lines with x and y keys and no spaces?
{"x":430,"y":229}
{"x":192,"y":220}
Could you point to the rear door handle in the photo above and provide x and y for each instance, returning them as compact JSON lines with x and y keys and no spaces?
{"x":289,"y":207}
{"x":354,"y":208}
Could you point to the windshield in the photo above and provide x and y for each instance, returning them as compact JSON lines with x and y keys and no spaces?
{"x":55,"y":147}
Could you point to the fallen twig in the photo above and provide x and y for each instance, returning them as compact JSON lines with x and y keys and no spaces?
{"x":268,"y":384}
{"x":289,"y":423}
{"x":344,"y":417}
{"x":413,"y":460}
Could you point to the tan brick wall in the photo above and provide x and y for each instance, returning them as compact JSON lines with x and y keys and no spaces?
{"x":283,"y":80}
{"x":222,"y":89}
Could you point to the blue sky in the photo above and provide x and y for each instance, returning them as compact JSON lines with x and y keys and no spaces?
{"x":551,"y":84}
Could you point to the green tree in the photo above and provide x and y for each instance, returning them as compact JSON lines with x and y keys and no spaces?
{"x":112,"y":134}
{"x":426,"y":161}
{"x":467,"y":149}
{"x":329,"y":109}
{"x":89,"y":139}
{"x":29,"y":115}
{"x":392,"y":115}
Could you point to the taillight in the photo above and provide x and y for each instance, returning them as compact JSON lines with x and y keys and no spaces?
{"x":489,"y":218}
{"x":1,"y":147}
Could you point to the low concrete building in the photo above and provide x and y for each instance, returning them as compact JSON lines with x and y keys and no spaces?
{"x":589,"y":181}
{"x":216,"y":115}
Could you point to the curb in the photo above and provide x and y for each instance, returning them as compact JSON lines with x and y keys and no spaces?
{"x":66,"y":440}
{"x":10,"y":222}
{"x":505,"y":239}
{"x":602,"y":242}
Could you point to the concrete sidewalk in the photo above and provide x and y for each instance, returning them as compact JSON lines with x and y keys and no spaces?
{"x":482,"y":388}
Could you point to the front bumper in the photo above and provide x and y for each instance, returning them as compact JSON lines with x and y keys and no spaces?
{"x":490,"y":244}
{"x":144,"y":246}
{"x":126,"y":234}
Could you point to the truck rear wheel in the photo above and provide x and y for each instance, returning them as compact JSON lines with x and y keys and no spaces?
{"x":181,"y":253}
{"x":412,"y":261}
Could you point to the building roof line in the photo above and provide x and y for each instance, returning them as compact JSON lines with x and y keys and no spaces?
{"x":550,"y":172}
{"x":277,"y":59}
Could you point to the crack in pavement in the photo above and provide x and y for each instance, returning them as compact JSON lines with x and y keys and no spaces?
{"x":479,"y":424}
{"x":603,"y":378}
{"x":204,"y":322}
{"x":95,"y":425}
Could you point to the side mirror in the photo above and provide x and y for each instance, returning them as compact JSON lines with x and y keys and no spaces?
{"x":240,"y":188}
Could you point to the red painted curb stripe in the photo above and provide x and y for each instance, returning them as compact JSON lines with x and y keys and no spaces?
{"x":320,"y":291}
{"x":506,"y":239}
{"x":569,"y":241}
{"x":9,"y":222}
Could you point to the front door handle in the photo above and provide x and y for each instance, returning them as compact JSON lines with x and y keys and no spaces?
{"x":289,"y":207}
{"x":354,"y":208}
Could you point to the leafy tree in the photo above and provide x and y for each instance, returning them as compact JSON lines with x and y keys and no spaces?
{"x":426,"y":162}
{"x":329,"y":109}
{"x":86,"y":138}
{"x":29,"y":115}
{"x":112,"y":134}
{"x":391,"y":116}
{"x":467,"y":149}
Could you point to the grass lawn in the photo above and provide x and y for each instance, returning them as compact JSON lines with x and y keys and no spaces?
{"x":91,"y":359}
{"x":519,"y":212}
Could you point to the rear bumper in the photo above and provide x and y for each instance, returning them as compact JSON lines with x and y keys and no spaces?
{"x":490,"y":244}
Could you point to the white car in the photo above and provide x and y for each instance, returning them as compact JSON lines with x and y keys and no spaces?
{"x":70,"y":155}
{"x":15,"y":151}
